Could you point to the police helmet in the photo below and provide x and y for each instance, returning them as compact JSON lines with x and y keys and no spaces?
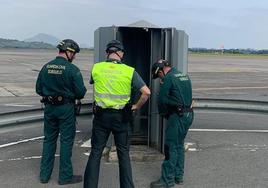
{"x":68,"y":45}
{"x":114,"y":46}
{"x":157,"y":66}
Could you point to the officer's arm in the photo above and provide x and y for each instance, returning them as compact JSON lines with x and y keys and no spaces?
{"x":145,"y":93}
{"x":79,"y":87}
{"x":165,"y":97}
{"x":164,"y":93}
{"x":139,"y":84}
{"x":38,"y":85}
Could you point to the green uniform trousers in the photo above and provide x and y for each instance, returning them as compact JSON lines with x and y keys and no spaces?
{"x":58,"y":119}
{"x":173,"y":165}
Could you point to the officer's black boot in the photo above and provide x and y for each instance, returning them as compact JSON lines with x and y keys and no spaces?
{"x":160,"y":184}
{"x":75,"y":179}
{"x":44,"y":180}
{"x":179,"y":181}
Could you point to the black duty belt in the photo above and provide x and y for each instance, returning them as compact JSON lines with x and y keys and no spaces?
{"x":185,"y":110}
{"x":56,"y":100}
{"x":179,"y":110}
{"x":126,"y":111}
{"x":111,"y":110}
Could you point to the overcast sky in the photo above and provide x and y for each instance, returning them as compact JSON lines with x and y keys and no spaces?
{"x":209,"y":23}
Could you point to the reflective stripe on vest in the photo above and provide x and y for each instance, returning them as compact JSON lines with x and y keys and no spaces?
{"x":112,"y":84}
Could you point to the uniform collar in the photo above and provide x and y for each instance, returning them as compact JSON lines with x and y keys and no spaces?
{"x":171,"y":70}
{"x":61,"y":58}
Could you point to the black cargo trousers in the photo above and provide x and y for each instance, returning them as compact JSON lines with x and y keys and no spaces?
{"x":103,"y":124}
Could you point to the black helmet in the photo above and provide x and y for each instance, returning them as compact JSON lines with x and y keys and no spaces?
{"x":114,"y":46}
{"x":159,"y":65}
{"x":155,"y":68}
{"x":69,"y":45}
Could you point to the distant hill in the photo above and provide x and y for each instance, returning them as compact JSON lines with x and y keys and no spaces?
{"x":41,"y":37}
{"x":10,"y":43}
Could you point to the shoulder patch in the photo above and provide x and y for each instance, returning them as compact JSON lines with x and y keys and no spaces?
{"x":181,"y":77}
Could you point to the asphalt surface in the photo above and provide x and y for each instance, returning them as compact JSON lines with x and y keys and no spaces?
{"x":213,"y":76}
{"x":216,"y":157}
{"x":19,"y":70}
{"x":229,"y":77}
{"x":227,"y":149}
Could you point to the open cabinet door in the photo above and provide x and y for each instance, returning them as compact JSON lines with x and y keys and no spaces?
{"x":137,"y":44}
{"x":172,"y":45}
{"x":176,"y":48}
{"x":101,"y":37}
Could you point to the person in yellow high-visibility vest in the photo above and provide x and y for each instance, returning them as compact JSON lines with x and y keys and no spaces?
{"x":113,"y":82}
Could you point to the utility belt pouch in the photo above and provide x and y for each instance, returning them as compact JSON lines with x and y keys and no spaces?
{"x":97,"y":110}
{"x":127,"y":113}
{"x":43,"y":100}
{"x":179,"y":112}
{"x":175,"y":109}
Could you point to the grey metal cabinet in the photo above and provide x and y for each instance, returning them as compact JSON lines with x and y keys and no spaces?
{"x":144,"y":45}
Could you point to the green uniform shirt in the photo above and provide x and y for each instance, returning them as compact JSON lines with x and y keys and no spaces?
{"x":176,"y":90}
{"x":60,"y":77}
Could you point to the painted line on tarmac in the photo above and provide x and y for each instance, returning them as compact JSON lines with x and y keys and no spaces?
{"x":229,"y":88}
{"x":193,"y":149}
{"x":228,"y":130}
{"x":86,"y":144}
{"x":19,"y":105}
{"x":25,"y":140}
{"x":21,"y":141}
{"x":205,"y":111}
{"x":26,"y":158}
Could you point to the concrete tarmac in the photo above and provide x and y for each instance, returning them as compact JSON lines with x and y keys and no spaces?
{"x":229,"y":77}
{"x":216,"y":157}
{"x":213,"y":76}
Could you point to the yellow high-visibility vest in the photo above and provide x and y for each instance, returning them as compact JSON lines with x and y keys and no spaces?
{"x":112,"y":84}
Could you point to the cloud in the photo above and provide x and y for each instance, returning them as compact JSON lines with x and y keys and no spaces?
{"x":208,"y":22}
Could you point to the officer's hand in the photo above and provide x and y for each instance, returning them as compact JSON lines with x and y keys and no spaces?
{"x":134,"y":108}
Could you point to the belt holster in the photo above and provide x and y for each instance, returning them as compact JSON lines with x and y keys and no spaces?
{"x":179,"y":112}
{"x":97,"y":110}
